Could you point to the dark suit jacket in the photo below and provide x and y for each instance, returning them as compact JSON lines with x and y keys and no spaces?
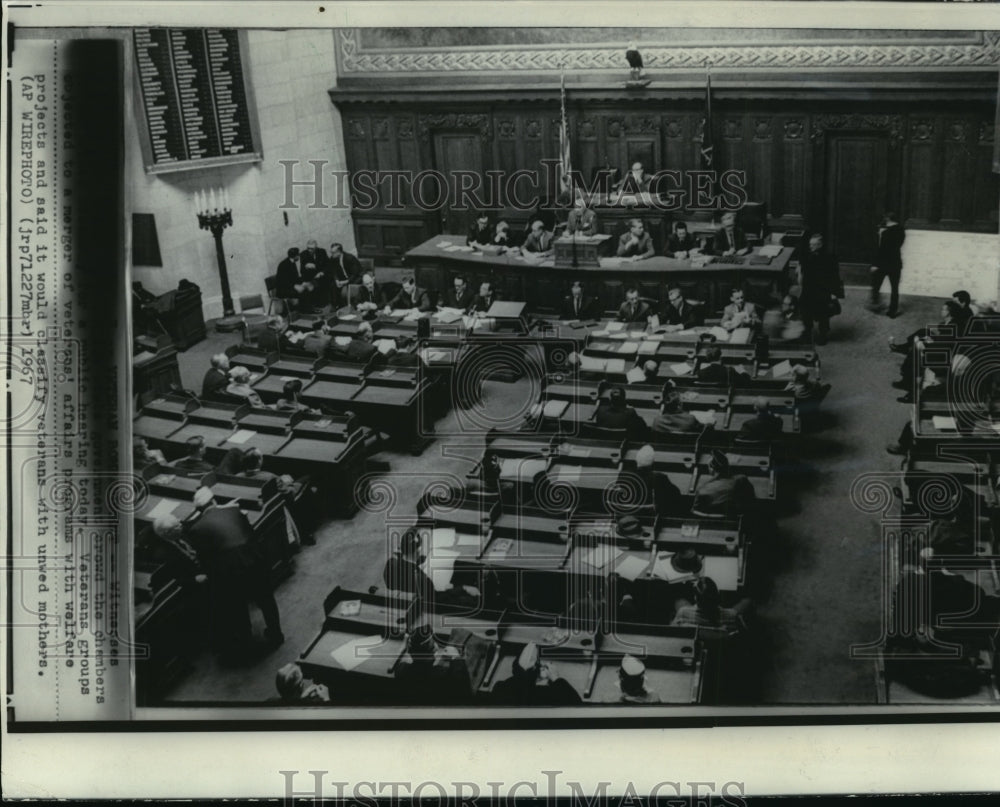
{"x":628,"y":250}
{"x":676,"y":244}
{"x":720,"y":243}
{"x":418,"y":299}
{"x":225,"y":543}
{"x":890,"y":244}
{"x":688,"y":315}
{"x":762,"y":428}
{"x":402,"y":574}
{"x":289,"y":273}
{"x":481,"y":303}
{"x":463,"y":303}
{"x":609,"y":417}
{"x":722,"y":375}
{"x":480,"y":236}
{"x":362,"y":295}
{"x":640,"y":314}
{"x":820,"y":275}
{"x":515,"y":693}
{"x":587,"y":310}
{"x":347,"y":267}
{"x":215,"y":382}
{"x":319,"y":257}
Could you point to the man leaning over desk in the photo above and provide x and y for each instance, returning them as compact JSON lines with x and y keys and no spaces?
{"x":636,"y":243}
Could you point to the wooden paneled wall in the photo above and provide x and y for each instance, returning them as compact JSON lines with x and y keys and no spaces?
{"x":937,"y":172}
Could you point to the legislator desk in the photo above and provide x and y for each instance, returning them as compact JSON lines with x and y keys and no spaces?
{"x":255,"y":359}
{"x":155,"y":371}
{"x":543,"y":286}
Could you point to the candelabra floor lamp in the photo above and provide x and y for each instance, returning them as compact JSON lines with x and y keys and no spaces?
{"x":214,"y":215}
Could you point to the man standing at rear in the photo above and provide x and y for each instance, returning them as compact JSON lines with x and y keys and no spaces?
{"x":888,"y":263}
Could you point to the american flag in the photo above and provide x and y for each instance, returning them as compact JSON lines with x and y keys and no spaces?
{"x":707,"y":136}
{"x":564,"y":164}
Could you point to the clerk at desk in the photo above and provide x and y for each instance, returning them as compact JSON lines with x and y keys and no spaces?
{"x":635,"y":181}
{"x":582,"y":219}
{"x":681,"y":243}
{"x":729,"y":239}
{"x":636,"y":243}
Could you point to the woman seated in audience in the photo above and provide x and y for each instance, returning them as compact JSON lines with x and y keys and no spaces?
{"x":239,"y":385}
{"x":289,"y":400}
{"x":707,"y":610}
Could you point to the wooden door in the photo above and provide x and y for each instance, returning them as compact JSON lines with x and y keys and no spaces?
{"x":457,"y":151}
{"x":857,"y":185}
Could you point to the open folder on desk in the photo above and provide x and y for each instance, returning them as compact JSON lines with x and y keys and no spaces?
{"x":944,"y":423}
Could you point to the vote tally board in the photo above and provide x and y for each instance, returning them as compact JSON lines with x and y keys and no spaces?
{"x":197,"y":104}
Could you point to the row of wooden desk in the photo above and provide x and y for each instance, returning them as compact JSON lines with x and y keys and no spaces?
{"x":363,"y":640}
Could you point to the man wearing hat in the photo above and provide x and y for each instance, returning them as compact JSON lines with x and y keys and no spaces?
{"x":615,"y":413}
{"x":632,"y":680}
{"x":764,"y":425}
{"x":672,"y":418}
{"x":657,"y":488}
{"x":534,"y":683}
{"x":721,"y":493}
{"x":237,"y":575}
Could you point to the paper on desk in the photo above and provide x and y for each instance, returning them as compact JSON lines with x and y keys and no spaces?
{"x":740,"y":336}
{"x":635,"y":375}
{"x":648,"y":347}
{"x":343,"y":341}
{"x":719,"y":333}
{"x":349,"y":608}
{"x":616,"y":326}
{"x":385,"y":345}
{"x":164,"y":507}
{"x":681,"y":368}
{"x":723,"y":569}
{"x":443,"y":244}
{"x":630,"y":567}
{"x":566,"y":473}
{"x":241,"y":436}
{"x":704,"y":417}
{"x":654,"y":322}
{"x":782,"y":369}
{"x":599,"y":333}
{"x":770,"y":251}
{"x":413,"y":315}
{"x":555,"y":409}
{"x":355,"y":652}
{"x":618,"y":335}
{"x":500,"y":548}
{"x":286,"y":378}
{"x":429,"y":355}
{"x":442,"y":567}
{"x":944,"y":422}
{"x":442,"y":538}
{"x":615,"y":366}
{"x":590,"y":363}
{"x":468,"y":539}
{"x":628,"y":347}
{"x":602,"y":554}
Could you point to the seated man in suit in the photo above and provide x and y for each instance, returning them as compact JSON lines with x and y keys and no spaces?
{"x":484,"y":299}
{"x":633,"y":309}
{"x":539,"y":240}
{"x":216,"y":377}
{"x":409,"y":297}
{"x":721,"y":493}
{"x":711,"y":370}
{"x":290,"y":280}
{"x":657,"y":488}
{"x":679,"y":314}
{"x":707,"y":610}
{"x":359,"y":349}
{"x":143,"y":455}
{"x":740,"y":313}
{"x":681,"y":243}
{"x":270,"y":338}
{"x":368,"y":298}
{"x":239,"y":385}
{"x":577,"y":305}
{"x":672,"y":418}
{"x":615,"y":413}
{"x":534,"y":683}
{"x":459,"y":296}
{"x":345,"y":269}
{"x":729,"y":240}
{"x":502,"y":236}
{"x":480,"y":231}
{"x":764,"y":425}
{"x":635,"y":181}
{"x":315,"y":266}
{"x":193,"y":463}
{"x":636,"y":243}
{"x":317,"y":340}
{"x":403,"y":572}
{"x":582,"y":218}
{"x":289,"y":400}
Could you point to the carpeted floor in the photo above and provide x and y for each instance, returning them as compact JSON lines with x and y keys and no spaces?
{"x":817,"y":581}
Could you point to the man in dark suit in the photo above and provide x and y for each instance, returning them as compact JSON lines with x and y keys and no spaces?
{"x":193,"y":463}
{"x":819,"y":275}
{"x":740,"y":313}
{"x":764,"y":425}
{"x":534,"y":683}
{"x":345,"y":269}
{"x":681,"y":242}
{"x":216,"y":377}
{"x":729,"y":239}
{"x":459,"y":295}
{"x":237,"y":575}
{"x":410,"y":296}
{"x":315,"y":269}
{"x":539,"y":239}
{"x":480,"y":231}
{"x":317,"y":340}
{"x":290,"y":281}
{"x":679,"y":314}
{"x":577,"y":305}
{"x":636,"y":244}
{"x":368,"y":298}
{"x":711,"y":370}
{"x":888,"y":262}
{"x":485,"y":298}
{"x":633,"y":309}
{"x":617,"y":414}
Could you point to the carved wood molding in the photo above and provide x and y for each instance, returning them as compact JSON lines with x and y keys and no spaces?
{"x":893,"y":124}
{"x":427,"y":123}
{"x":984,"y":51}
